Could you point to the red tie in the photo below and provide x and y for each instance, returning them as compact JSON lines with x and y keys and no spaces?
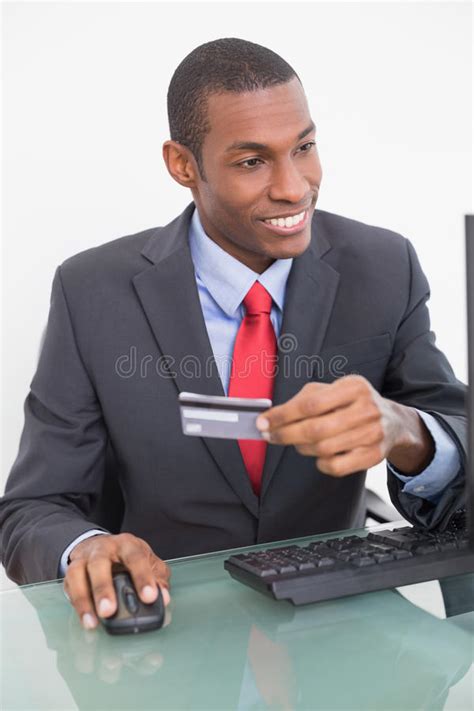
{"x":253,"y":369}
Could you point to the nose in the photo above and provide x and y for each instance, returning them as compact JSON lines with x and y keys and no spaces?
{"x":287,"y":183}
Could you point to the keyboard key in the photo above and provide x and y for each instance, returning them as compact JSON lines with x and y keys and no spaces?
{"x":344,"y":556}
{"x":320,"y":545}
{"x":382,"y":548}
{"x":400,"y":555}
{"x":382,"y":557}
{"x":365,"y":560}
{"x":367,"y":550}
{"x":307,"y":565}
{"x":354,"y":539}
{"x":286,"y":568}
{"x":376,"y":537}
{"x":393,"y":539}
{"x":326,"y":562}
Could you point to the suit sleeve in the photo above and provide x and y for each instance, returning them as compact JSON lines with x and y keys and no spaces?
{"x":419,"y":375}
{"x":59,"y":470}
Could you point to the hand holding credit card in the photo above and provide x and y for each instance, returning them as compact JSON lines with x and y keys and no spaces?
{"x":223,"y":417}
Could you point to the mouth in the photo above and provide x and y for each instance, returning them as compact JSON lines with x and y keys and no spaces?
{"x":287,"y":224}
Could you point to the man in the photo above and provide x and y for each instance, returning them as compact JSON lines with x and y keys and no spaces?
{"x":137,"y":320}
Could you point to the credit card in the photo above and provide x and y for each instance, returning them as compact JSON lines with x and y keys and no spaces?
{"x":224,"y":417}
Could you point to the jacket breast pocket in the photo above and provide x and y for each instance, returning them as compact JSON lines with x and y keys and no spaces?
{"x":367,"y":357}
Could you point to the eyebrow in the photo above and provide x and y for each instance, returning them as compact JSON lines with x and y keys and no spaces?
{"x":252,"y":146}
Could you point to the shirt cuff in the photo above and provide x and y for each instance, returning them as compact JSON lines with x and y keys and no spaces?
{"x":64,"y":558}
{"x":443,"y":468}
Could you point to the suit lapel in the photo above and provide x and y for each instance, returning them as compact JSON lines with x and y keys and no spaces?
{"x":169,"y":297}
{"x":310,"y":295}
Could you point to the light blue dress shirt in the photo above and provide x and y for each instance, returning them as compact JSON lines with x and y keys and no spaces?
{"x":222,"y":283}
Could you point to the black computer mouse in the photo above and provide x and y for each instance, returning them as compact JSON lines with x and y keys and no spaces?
{"x":132,"y":615}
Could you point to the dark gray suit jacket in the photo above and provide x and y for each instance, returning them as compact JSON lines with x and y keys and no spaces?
{"x":126,"y":334}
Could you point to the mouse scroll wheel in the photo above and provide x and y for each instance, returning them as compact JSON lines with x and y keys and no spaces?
{"x":130,"y":600}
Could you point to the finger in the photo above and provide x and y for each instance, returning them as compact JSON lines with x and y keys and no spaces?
{"x":316,"y":429}
{"x":99,"y":569}
{"x":147,"y":576}
{"x":307,"y":450}
{"x":165,"y":595}
{"x":162,"y":572}
{"x":163,"y":580}
{"x":77,"y":588}
{"x":314,"y":399}
{"x":296,"y":408}
{"x":347,"y":441}
{"x":359,"y":459}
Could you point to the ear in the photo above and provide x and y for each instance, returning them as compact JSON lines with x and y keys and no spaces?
{"x":181,"y":164}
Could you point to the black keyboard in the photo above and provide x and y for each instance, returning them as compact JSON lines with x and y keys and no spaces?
{"x":337,"y":567}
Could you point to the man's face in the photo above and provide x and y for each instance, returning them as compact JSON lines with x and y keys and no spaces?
{"x":260,"y":164}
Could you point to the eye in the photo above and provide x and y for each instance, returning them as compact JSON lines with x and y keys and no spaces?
{"x":306,"y":147}
{"x":249,"y":163}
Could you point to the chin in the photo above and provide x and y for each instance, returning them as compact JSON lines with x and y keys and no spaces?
{"x":289,"y":247}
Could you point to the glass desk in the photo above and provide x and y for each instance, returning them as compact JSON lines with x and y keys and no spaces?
{"x":227,"y":646}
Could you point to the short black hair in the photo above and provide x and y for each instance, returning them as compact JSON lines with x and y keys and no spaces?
{"x":228,"y":64}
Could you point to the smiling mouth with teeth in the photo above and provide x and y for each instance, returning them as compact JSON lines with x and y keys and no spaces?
{"x":286,"y":221}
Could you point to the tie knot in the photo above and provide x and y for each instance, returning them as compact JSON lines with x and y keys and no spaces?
{"x":258,"y":300}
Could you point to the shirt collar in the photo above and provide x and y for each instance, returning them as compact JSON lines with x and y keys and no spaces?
{"x":226,"y":278}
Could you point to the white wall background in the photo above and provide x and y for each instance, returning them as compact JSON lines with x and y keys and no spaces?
{"x":84,"y":117}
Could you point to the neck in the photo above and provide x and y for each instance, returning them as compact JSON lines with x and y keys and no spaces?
{"x":256,"y":262}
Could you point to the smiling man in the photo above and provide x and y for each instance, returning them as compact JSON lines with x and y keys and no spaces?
{"x":250,"y":272}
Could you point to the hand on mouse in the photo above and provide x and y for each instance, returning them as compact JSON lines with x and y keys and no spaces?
{"x":88,"y":581}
